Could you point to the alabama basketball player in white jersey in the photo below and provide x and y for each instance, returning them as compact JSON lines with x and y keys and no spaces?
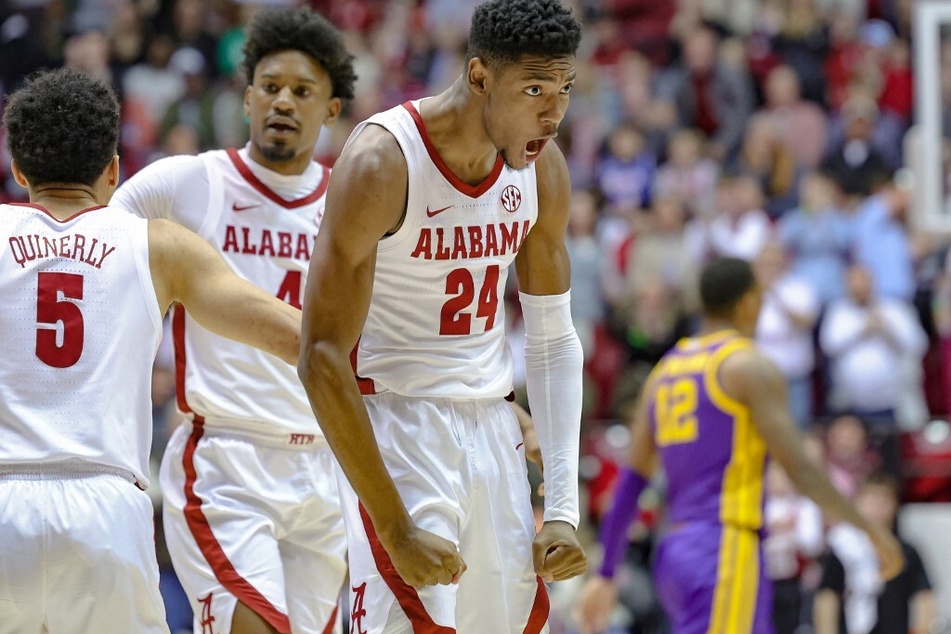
{"x":427,"y":206}
{"x":252,"y":514}
{"x":84,"y":288}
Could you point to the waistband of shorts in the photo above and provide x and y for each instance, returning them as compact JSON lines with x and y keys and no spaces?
{"x":485,"y":401}
{"x":64,"y":470}
{"x":708,"y":525}
{"x":262,"y":436}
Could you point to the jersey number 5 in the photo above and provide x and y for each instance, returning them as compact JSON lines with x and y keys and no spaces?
{"x":53,"y":307}
{"x":453,"y":319}
{"x":675,"y":412}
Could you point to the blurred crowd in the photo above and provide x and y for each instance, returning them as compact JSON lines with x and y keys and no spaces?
{"x":772,"y":130}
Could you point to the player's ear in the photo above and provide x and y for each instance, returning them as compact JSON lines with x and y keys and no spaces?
{"x":333,"y":111}
{"x":478,"y":76}
{"x":18,"y":175}
{"x":247,"y":101}
{"x":112,"y":171}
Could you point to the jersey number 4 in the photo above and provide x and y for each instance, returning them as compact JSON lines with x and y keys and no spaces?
{"x":53,"y":308}
{"x":455,"y":318}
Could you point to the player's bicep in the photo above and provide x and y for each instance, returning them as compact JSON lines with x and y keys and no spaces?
{"x":188,"y":270}
{"x":366,"y":199}
{"x":542,"y":262}
{"x":763,"y":388}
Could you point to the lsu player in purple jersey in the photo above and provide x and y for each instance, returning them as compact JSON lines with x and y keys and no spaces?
{"x":711,"y":413}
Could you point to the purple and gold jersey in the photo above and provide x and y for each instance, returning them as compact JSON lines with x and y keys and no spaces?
{"x":712,"y":453}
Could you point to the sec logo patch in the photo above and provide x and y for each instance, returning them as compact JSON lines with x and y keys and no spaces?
{"x":511,"y":198}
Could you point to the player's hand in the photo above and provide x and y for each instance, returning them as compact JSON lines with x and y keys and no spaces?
{"x":533,"y":451}
{"x":594,"y":606}
{"x":558,"y":554}
{"x":891,"y":560}
{"x":422,"y":558}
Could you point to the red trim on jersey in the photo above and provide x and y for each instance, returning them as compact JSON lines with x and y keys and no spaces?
{"x":47,"y":211}
{"x":367,"y":386}
{"x":473,"y":191}
{"x":332,"y":622}
{"x":178,"y":337}
{"x":540,"y":608}
{"x":213,"y":552}
{"x":406,"y":594}
{"x":269,"y":193}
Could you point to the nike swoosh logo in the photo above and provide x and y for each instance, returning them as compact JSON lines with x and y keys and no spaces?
{"x":237,"y":207}
{"x":436,"y":212}
{"x":518,"y":445}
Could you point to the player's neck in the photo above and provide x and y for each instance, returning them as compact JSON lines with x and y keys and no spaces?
{"x":453,"y":123}
{"x":63,"y":200}
{"x":711,"y":325}
{"x":293,"y":167}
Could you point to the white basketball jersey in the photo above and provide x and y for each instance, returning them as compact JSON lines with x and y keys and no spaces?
{"x":267,"y":239}
{"x":81,"y":326}
{"x":436,"y":324}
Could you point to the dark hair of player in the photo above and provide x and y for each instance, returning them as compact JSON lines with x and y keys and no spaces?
{"x":723,"y":283}
{"x":300,"y":29}
{"x":62,"y":127}
{"x":504,"y":30}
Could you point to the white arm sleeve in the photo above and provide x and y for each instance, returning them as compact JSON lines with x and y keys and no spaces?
{"x":174,"y":188}
{"x":553,"y":365}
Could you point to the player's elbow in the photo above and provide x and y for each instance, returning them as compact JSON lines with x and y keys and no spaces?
{"x":316,"y":363}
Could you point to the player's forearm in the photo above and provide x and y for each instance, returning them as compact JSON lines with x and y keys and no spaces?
{"x":922,"y":612}
{"x":814,"y":484}
{"x":825,"y":613}
{"x":342,"y":416}
{"x":260,"y":321}
{"x":553,"y":376}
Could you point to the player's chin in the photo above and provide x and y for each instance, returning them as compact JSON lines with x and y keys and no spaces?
{"x":278,"y":152}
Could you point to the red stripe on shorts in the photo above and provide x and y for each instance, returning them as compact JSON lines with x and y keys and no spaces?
{"x":333,"y":621}
{"x":540,"y":608}
{"x":406,"y":594}
{"x":214,"y":553}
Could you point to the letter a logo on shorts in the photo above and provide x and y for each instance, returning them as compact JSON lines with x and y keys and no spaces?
{"x":206,"y":618}
{"x":358,"y":612}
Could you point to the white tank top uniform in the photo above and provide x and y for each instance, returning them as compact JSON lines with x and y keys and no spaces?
{"x":251,"y":426}
{"x":434,"y":367}
{"x":81,"y":325}
{"x":264,"y":224}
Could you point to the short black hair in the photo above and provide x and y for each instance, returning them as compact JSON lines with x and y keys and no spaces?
{"x":504,"y":30}
{"x":62,"y":127}
{"x":722,"y":283}
{"x":300,"y":29}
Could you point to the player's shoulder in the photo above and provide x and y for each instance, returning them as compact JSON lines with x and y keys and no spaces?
{"x":745,"y":367}
{"x":373,"y":158}
{"x":551,"y":173}
{"x":170,"y":166}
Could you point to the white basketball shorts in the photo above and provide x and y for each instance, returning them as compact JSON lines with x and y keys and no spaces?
{"x":257,"y":521}
{"x":460,"y":469}
{"x":77,"y":552}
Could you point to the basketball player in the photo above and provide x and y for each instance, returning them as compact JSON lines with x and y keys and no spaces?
{"x":711,"y":411}
{"x":428,"y":205}
{"x":84,"y":288}
{"x":252,"y":514}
